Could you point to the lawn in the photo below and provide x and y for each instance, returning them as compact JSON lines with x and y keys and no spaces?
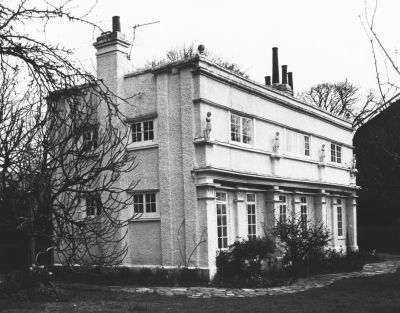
{"x":380,"y":294}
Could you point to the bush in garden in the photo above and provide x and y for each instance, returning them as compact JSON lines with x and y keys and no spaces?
{"x":304,"y":244}
{"x":244,"y":259}
{"x":17,"y":282}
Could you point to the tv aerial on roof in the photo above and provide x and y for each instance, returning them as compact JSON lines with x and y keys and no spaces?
{"x":134,"y":34}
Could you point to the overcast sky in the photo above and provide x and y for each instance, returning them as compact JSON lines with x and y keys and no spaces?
{"x":319,"y":40}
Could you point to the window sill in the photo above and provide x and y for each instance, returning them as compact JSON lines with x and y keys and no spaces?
{"x":298,"y":156}
{"x":141,"y":146}
{"x":92,"y":154}
{"x":240,"y":144}
{"x":145,"y":219}
{"x":337,"y":165}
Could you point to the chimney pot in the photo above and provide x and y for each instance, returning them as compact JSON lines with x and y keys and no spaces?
{"x":290,"y":77}
{"x":116,"y":25}
{"x":275,"y":66}
{"x":267,"y":80}
{"x":284,"y":75}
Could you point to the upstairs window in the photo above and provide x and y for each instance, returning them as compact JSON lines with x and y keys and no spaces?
{"x":297,"y":143}
{"x":90,"y":138}
{"x":93,"y":206}
{"x":144,"y":203}
{"x":336,"y":153}
{"x":143,"y":131}
{"x":241,"y":129}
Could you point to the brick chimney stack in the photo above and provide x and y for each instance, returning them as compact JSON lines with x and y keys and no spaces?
{"x":112,"y":57}
{"x":290,"y":77}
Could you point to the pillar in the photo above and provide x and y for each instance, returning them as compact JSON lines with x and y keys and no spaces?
{"x":351,"y":227}
{"x":272,"y":205}
{"x":207,"y":219}
{"x":240,"y":215}
{"x":320,"y":208}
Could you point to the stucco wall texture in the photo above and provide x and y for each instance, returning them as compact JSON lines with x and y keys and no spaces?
{"x":185,"y":169}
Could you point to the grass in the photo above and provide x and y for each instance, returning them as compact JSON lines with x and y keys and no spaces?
{"x":357,"y":295}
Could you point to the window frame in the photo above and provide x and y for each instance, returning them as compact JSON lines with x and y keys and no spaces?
{"x":283,"y":209}
{"x":336,"y":153}
{"x":96,"y":206}
{"x":240,"y":133}
{"x":146,"y":202}
{"x":251,"y":216}
{"x":339,"y":218}
{"x":304,"y":146}
{"x":90,"y":145}
{"x":142,"y":132}
{"x":223,"y":240}
{"x":304,"y":212}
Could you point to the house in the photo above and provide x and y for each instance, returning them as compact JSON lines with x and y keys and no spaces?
{"x":377,"y":145}
{"x":221,"y":157}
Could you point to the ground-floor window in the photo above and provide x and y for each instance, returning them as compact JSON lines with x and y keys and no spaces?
{"x":282,"y":209}
{"x":251,"y":215}
{"x":222,"y":225}
{"x":303,"y":212}
{"x":339,"y":210}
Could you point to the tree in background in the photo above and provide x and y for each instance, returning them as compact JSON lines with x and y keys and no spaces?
{"x":62,"y":143}
{"x":189,"y":52}
{"x":343,"y":99}
{"x":337,"y":98}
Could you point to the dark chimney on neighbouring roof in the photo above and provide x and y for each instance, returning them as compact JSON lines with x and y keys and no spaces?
{"x":267,"y":80}
{"x":116,"y":25}
{"x":290,"y":77}
{"x":275,"y":66}
{"x":284,"y":75}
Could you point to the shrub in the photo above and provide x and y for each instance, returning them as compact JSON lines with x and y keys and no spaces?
{"x":244,"y":260}
{"x":189,"y":52}
{"x":303,"y":243}
{"x":131,"y":276}
{"x":27,"y":284}
{"x":351,"y":261}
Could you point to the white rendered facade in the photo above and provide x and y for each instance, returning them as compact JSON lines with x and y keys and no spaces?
{"x":231,"y":181}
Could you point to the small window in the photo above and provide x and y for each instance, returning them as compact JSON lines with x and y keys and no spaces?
{"x":241,"y":129}
{"x":251,"y":215}
{"x":93,"y":206}
{"x":143,"y":131}
{"x":339,"y":210}
{"x":222,"y":220}
{"x":297,"y":143}
{"x":144,"y":203}
{"x":303,"y":212}
{"x":90,"y":140}
{"x":282,"y":209}
{"x":307,"y":145}
{"x":336,"y":153}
